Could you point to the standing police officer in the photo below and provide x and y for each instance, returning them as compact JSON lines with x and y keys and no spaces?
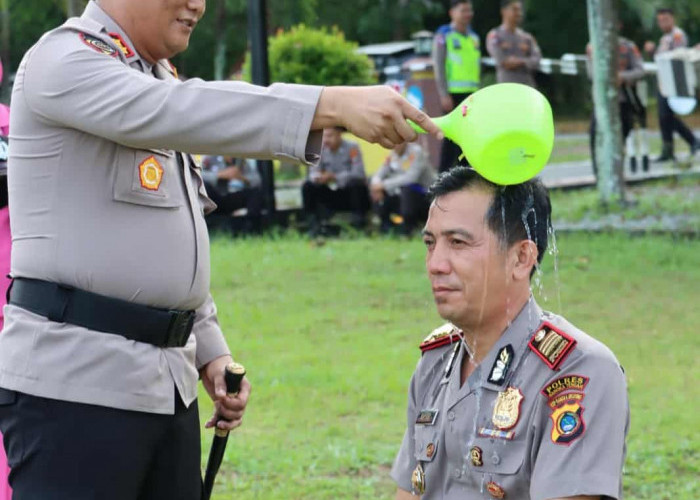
{"x":507,"y":400}
{"x":516,"y":51}
{"x":673,"y":38}
{"x":110,"y":322}
{"x":457,"y":63}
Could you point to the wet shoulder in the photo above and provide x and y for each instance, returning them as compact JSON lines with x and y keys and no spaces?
{"x":435,"y":349}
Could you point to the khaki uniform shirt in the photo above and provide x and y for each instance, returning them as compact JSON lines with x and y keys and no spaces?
{"x":345,"y":162}
{"x":102,"y":200}
{"x":502,"y":43}
{"x":412,"y":167}
{"x":518,"y":427}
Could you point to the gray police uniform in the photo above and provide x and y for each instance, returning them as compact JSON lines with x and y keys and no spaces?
{"x":502,"y":43}
{"x":345,"y":163}
{"x":102,"y":200}
{"x":545,"y":415}
{"x":412,"y":167}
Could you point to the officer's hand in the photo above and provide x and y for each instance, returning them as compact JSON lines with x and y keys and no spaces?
{"x":229,"y":409}
{"x":376,"y":191}
{"x":376,"y":114}
{"x":447,"y":103}
{"x":229,"y":173}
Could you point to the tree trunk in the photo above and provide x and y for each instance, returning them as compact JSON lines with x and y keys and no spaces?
{"x":602,"y":25}
{"x":220,"y":37}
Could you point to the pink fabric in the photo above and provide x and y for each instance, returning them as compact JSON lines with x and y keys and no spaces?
{"x":4,"y":120}
{"x":5,"y":246}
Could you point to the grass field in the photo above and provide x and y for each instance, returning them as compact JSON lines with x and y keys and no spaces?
{"x":329,"y":335}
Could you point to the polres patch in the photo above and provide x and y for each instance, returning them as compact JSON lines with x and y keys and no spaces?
{"x":565,"y":384}
{"x":567,"y":419}
{"x":99,"y":45}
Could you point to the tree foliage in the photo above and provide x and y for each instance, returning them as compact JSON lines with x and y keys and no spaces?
{"x":317,"y":57}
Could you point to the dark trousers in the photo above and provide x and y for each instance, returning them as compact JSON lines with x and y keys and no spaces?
{"x":450,"y":152}
{"x":627,"y":119}
{"x":670,"y":123}
{"x":249,"y":198}
{"x":319,"y":200}
{"x":411,"y":204}
{"x":70,"y":451}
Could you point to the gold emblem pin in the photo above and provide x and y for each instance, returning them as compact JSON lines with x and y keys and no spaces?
{"x":418,"y":480}
{"x":430,"y":450}
{"x":476,"y":456}
{"x":496,"y":490}
{"x":506,"y":412}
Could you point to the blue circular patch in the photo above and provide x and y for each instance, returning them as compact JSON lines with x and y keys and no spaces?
{"x":568,"y":422}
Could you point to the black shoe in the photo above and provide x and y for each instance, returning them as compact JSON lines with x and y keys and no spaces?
{"x":666,"y":153}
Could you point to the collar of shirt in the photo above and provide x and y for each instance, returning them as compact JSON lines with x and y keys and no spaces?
{"x":110,"y":27}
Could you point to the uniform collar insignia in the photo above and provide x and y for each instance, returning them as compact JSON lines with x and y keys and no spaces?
{"x":501,"y":365}
{"x":123,"y":46}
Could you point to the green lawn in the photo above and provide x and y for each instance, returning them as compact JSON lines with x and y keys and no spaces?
{"x":329,"y":335}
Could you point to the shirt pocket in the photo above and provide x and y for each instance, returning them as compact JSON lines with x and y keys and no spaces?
{"x":426,"y":442}
{"x":149,"y":177}
{"x":498,"y":456}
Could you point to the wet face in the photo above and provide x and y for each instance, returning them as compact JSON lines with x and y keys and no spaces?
{"x":466,"y":264}
{"x":665,"y":22}
{"x":332,"y":138}
{"x":462,"y":14}
{"x":512,"y":14}
{"x":162,"y":28}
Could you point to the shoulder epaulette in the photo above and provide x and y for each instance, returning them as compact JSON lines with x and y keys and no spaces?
{"x":551,"y":344}
{"x":446,"y":334}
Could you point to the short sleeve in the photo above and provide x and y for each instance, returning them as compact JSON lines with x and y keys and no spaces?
{"x":584,"y":418}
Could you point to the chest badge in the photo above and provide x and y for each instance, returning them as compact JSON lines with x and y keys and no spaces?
{"x":418,"y":480}
{"x":150,"y":173}
{"x":496,"y":490}
{"x":506,"y":412}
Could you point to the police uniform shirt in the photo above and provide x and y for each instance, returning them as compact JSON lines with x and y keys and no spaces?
{"x":630,"y":63}
{"x":412,"y":167}
{"x":675,"y":39}
{"x":502,"y":43}
{"x":518,"y":428}
{"x":102,"y":200}
{"x":345,"y":163}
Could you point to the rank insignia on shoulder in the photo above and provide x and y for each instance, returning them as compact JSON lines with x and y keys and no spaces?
{"x":446,"y":334}
{"x":150,"y":173}
{"x":501,"y":365}
{"x":126,"y":50}
{"x":99,"y":45}
{"x":551,"y":345}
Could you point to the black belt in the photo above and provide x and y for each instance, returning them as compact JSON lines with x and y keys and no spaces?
{"x":63,"y":304}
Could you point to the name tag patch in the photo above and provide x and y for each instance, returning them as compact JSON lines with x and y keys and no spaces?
{"x":427,"y":417}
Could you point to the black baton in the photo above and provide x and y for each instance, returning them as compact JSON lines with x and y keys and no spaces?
{"x":233,"y":374}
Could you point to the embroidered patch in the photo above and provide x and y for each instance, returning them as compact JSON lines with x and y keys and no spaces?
{"x":495,"y":490}
{"x":97,"y":44}
{"x":501,"y":365}
{"x":446,"y":334}
{"x":506,"y":411}
{"x":126,"y":50}
{"x":477,"y":456}
{"x":427,"y":417}
{"x":497,"y":434}
{"x":150,"y":173}
{"x":564,"y":384}
{"x":567,"y":419}
{"x":551,"y":345}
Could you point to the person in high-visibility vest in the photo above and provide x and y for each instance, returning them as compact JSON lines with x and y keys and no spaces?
{"x":457,"y":63}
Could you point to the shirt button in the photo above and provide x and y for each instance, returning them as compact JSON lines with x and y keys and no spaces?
{"x":458,"y":473}
{"x":495,"y":459}
{"x":451,"y":415}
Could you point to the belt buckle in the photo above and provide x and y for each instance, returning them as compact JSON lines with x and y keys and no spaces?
{"x":180,"y":327}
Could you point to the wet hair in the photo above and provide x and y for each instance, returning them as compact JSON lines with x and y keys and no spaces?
{"x":664,"y":10}
{"x":517,"y":212}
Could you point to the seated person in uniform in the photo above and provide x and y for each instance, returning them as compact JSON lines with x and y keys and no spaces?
{"x":507,"y":399}
{"x":233,"y":184}
{"x":337,"y":183}
{"x":401,"y":187}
